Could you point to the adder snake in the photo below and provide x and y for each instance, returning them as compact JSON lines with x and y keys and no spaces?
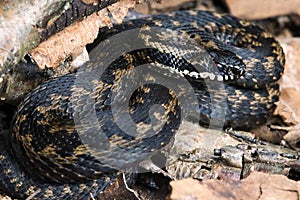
{"x":56,"y":149}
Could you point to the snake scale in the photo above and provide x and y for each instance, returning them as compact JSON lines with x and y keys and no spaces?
{"x":54,"y":149}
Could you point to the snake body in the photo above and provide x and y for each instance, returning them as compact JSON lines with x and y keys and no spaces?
{"x":55,"y":149}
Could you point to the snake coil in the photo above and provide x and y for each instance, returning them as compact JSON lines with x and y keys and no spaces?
{"x":47,"y":155}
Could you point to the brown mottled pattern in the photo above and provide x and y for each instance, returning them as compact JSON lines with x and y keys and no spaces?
{"x":44,"y":155}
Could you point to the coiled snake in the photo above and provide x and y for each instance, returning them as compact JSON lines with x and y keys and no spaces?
{"x":70,"y":138}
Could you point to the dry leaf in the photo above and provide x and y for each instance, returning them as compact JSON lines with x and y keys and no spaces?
{"x":70,"y":41}
{"x":256,"y":186}
{"x":120,"y":9}
{"x":258,"y":9}
{"x":289,"y":102}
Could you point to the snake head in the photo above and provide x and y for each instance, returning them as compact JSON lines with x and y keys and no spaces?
{"x":229,"y":65}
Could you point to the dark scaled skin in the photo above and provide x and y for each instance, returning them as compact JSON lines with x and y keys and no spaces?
{"x":45,"y":155}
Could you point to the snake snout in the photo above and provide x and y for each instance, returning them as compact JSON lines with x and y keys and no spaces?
{"x":231,"y":72}
{"x":229,"y":65}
